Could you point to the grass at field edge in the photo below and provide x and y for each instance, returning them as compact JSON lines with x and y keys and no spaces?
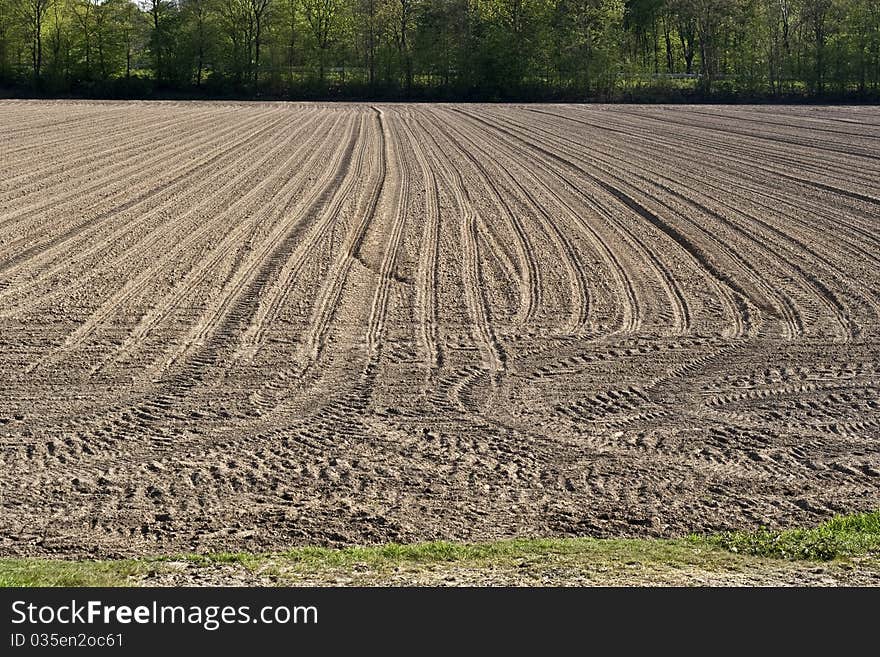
{"x":841,"y":539}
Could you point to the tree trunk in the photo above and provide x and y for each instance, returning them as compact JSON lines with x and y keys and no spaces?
{"x":155,"y":12}
{"x":101,"y":58}
{"x":257,"y":34}
{"x":39,"y":50}
{"x":670,"y":65}
{"x":201,"y":64}
{"x":38,"y":42}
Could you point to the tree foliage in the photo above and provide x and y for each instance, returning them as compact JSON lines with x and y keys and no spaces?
{"x":496,"y":49}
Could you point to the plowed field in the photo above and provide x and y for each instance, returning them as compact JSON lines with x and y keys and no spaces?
{"x":253,"y":326}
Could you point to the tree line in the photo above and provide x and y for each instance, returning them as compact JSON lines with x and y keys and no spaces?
{"x":466,"y":49}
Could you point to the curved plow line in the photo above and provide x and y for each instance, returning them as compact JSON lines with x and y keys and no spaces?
{"x":75,"y":160}
{"x":698,"y":256}
{"x":139,"y":165}
{"x":426,"y":291}
{"x":205,"y":266}
{"x":491,"y":352}
{"x":745,"y":167}
{"x":794,"y":323}
{"x":135,"y":285}
{"x":790,"y":312}
{"x":775,"y":202}
{"x":151,"y":238}
{"x":755,"y":191}
{"x":449,"y":173}
{"x":530,"y":292}
{"x":179,"y":178}
{"x":567,"y":251}
{"x":198,"y":336}
{"x":681,"y":309}
{"x":240,"y":305}
{"x":497,"y":247}
{"x":379,"y":307}
{"x":820,"y":290}
{"x":331,"y":291}
{"x":765,"y":154}
{"x":631,"y":319}
{"x":773,"y":206}
{"x":270,"y":306}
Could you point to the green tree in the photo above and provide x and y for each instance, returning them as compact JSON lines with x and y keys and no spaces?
{"x":322,"y":16}
{"x":33,"y":14}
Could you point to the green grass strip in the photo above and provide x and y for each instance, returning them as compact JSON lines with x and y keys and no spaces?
{"x":842,"y":537}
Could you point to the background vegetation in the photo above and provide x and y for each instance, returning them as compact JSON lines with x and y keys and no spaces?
{"x":443,"y":49}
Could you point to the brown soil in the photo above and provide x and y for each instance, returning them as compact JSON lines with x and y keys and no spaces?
{"x":255,"y":326}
